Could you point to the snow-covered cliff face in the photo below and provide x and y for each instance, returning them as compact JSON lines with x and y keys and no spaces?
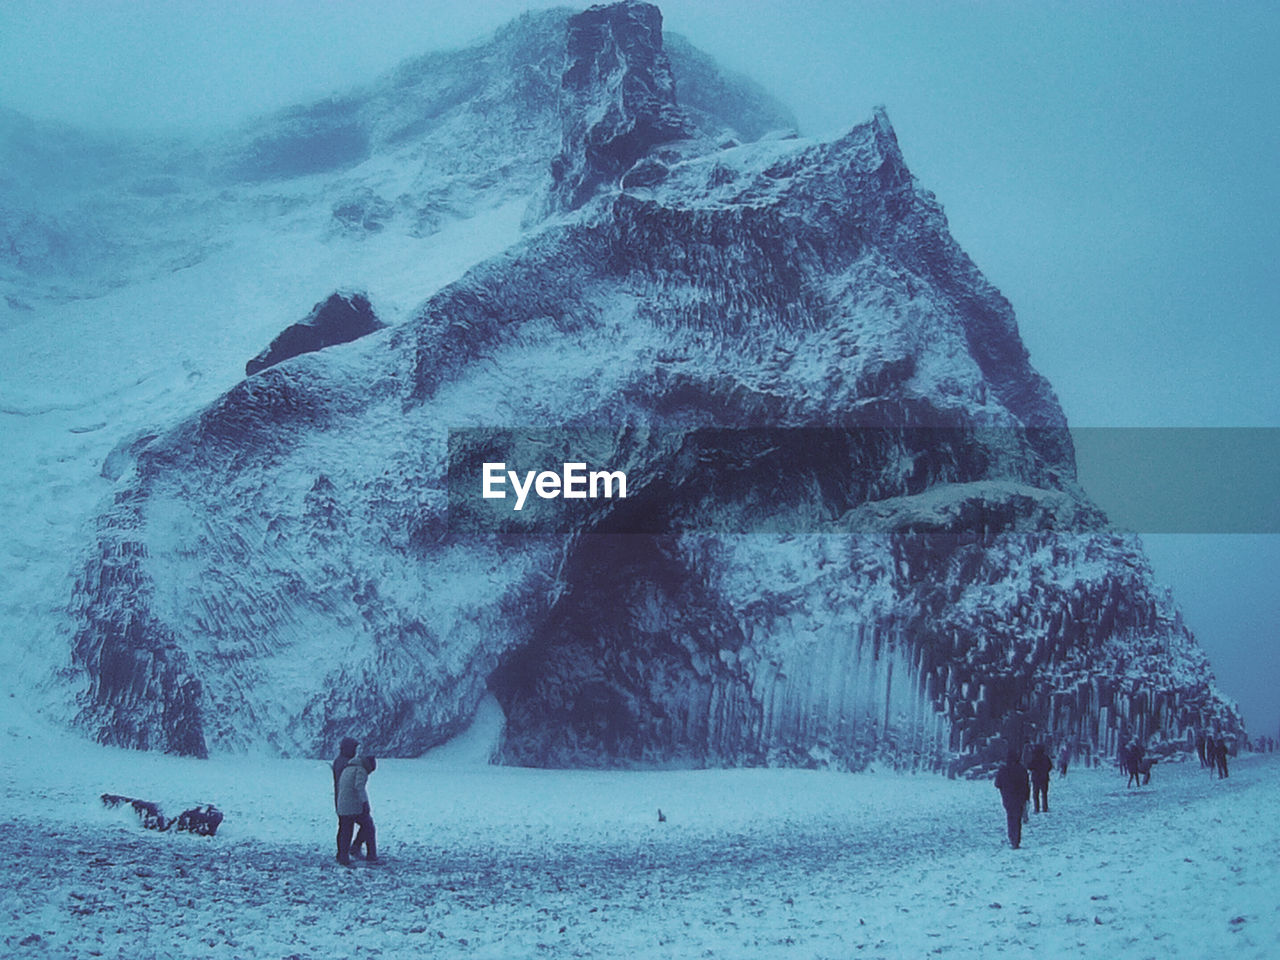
{"x":281,"y":568}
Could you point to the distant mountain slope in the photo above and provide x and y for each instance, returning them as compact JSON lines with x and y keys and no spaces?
{"x":437,"y":139}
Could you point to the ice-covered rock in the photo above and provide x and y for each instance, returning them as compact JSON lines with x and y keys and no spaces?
{"x":864,"y":535}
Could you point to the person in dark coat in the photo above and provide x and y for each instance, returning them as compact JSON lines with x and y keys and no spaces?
{"x":1211,"y":754}
{"x":1200,"y":749}
{"x":353,"y":809}
{"x":1136,"y":755}
{"x":346,"y":750}
{"x":1040,"y":767}
{"x":1220,"y":751}
{"x":1064,"y":757}
{"x":1015,"y":790}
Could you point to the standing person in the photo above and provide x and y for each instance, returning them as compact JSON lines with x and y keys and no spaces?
{"x":1015,"y":790}
{"x":353,"y":810}
{"x":1064,"y":757}
{"x":1220,"y":751}
{"x":1200,"y":749}
{"x":1040,"y":767}
{"x":1211,"y":754}
{"x":1135,"y":755}
{"x":346,"y":750}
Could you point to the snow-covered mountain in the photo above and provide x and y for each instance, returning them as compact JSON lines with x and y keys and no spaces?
{"x":138,"y":276}
{"x":864,"y":536}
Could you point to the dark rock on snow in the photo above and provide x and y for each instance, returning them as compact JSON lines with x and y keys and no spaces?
{"x":199,"y":820}
{"x":340,"y":319}
{"x":618,"y":99}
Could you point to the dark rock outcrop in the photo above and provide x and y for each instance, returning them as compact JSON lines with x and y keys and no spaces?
{"x":340,"y":319}
{"x":619,"y":99}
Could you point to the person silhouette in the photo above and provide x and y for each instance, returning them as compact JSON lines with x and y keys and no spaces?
{"x":1040,"y":767}
{"x":1015,"y":789}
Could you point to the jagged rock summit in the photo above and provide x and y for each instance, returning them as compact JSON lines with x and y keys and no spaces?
{"x":284,"y":568}
{"x":618,"y":99}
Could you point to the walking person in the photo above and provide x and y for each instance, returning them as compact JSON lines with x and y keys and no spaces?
{"x":1221,"y":753}
{"x":346,"y":751}
{"x":353,"y":809}
{"x":1015,"y":790}
{"x":1064,"y":757}
{"x":1134,"y":760}
{"x":1040,"y":767}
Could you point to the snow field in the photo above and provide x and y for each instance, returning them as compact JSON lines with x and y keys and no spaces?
{"x":485,"y":861}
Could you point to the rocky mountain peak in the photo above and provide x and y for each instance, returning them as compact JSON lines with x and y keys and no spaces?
{"x":618,"y":98}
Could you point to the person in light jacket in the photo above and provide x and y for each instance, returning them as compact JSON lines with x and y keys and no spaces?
{"x":346,"y":750}
{"x":352,"y":805}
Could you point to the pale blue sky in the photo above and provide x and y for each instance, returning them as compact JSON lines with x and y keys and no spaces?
{"x":1112,"y":167}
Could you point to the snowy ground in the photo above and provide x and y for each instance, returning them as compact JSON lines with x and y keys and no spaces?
{"x":495,"y":862}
